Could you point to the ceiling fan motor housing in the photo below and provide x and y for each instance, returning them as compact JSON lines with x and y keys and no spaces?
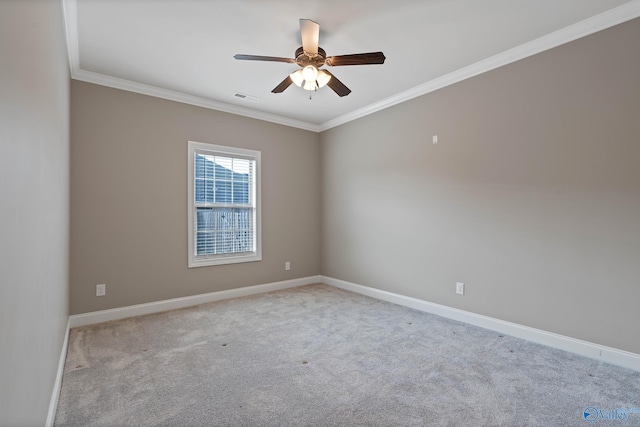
{"x":317,"y":60}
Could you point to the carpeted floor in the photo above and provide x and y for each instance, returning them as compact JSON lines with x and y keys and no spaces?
{"x":320,"y":356}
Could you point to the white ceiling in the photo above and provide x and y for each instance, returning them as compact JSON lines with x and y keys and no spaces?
{"x":183,"y":49}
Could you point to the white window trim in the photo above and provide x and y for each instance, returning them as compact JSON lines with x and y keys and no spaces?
{"x":194,"y":260}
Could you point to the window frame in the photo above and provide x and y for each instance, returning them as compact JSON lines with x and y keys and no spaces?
{"x":232,"y":258}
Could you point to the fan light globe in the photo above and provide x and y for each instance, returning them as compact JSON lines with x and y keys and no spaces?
{"x":310,"y":73}
{"x":310,"y":78}
{"x":323,"y":78}
{"x":296,"y":78}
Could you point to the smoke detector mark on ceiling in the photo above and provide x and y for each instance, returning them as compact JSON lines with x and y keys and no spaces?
{"x":246,"y":97}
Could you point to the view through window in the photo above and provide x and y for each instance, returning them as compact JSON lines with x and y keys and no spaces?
{"x":223,"y":204}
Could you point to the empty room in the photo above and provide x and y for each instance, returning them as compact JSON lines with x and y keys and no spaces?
{"x":337,"y":213}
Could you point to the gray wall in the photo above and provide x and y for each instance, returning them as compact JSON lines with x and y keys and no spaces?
{"x":129,"y":198}
{"x":34,"y":212}
{"x":531,"y":197}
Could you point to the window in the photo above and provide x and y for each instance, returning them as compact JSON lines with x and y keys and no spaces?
{"x":224,"y":205}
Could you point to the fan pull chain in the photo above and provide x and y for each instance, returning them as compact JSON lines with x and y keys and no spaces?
{"x":315,"y":90}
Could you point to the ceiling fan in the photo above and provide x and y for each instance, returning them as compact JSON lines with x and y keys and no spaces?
{"x":310,"y":57}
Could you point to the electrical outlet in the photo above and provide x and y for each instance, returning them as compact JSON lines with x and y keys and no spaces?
{"x":287,"y":266}
{"x":101,"y":290}
{"x":434,"y":139}
{"x":460,"y":288}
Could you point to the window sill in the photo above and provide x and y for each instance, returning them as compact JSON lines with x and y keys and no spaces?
{"x":222,"y":260}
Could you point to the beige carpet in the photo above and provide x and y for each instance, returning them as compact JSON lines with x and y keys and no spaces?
{"x":320,"y":356}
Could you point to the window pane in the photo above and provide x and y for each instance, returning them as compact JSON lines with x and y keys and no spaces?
{"x":204,"y":243}
{"x":224,"y":219}
{"x":241,"y":192}
{"x":208,"y":166}
{"x":224,"y":242}
{"x":223,"y":168}
{"x":208,"y":191}
{"x":205,"y":219}
{"x":243,"y":241}
{"x":199,"y":190}
{"x":199,"y":166}
{"x":204,"y":190}
{"x":223,"y":192}
{"x":242,"y":168}
{"x":242,"y":219}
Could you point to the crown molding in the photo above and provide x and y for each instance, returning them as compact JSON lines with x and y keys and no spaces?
{"x":615,"y":16}
{"x":171,"y":95}
{"x":70,"y":13}
{"x":77,"y":73}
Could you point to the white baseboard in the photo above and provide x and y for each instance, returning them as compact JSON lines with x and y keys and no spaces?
{"x":603,"y":353}
{"x":175,"y":303}
{"x":591,"y":350}
{"x":57,"y":385}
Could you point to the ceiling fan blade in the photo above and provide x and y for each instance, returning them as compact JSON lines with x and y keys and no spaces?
{"x":263,"y":58}
{"x":283,"y":85}
{"x":310,"y":32}
{"x":356,"y":59}
{"x":337,"y":86}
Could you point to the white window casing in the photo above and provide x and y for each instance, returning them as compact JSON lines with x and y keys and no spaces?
{"x":223,"y":205}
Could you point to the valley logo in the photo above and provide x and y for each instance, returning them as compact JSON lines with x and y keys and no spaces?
{"x":592,"y":414}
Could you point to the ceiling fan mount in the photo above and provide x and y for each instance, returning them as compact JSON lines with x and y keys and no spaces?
{"x":311,"y":57}
{"x":304,"y":59}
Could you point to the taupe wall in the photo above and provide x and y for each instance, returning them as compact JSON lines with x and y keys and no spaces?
{"x":34,"y":206}
{"x":129,"y":198}
{"x":531,"y":197}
